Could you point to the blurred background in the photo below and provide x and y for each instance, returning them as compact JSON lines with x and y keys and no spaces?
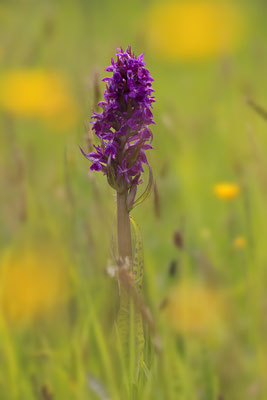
{"x":204,"y":226}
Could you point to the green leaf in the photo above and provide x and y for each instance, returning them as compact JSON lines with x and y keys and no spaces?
{"x":129,"y":320}
{"x":147,"y":191}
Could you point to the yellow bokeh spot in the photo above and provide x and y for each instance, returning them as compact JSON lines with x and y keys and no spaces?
{"x":240,"y":242}
{"x":194,"y":29}
{"x":32,"y":284}
{"x":226,"y":190}
{"x":38,"y":93}
{"x":193,"y":309}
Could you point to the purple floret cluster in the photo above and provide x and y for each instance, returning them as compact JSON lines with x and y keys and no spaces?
{"x":123,"y":125}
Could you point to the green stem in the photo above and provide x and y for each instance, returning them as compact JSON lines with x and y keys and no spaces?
{"x":124,"y":227}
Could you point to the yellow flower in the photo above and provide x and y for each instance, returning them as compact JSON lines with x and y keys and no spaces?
{"x":240,"y":242}
{"x":38,"y":93}
{"x":194,"y":29}
{"x":31,"y":284}
{"x":226,"y":190}
{"x":193,"y":309}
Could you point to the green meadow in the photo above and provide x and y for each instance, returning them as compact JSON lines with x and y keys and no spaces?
{"x":203,"y":306}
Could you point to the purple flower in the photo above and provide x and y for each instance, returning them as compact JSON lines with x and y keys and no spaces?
{"x":123,"y":125}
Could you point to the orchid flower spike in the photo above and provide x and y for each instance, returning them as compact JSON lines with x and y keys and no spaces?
{"x":123,"y":125}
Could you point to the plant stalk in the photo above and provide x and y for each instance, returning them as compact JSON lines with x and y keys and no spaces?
{"x":124,"y":227}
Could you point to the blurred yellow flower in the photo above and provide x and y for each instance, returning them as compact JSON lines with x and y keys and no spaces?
{"x":31,"y":284}
{"x":240,"y":242}
{"x":193,"y":309}
{"x":226,"y":190}
{"x":38,"y":93}
{"x":194,"y":29}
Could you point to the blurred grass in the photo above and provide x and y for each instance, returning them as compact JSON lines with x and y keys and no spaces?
{"x":205,"y":134}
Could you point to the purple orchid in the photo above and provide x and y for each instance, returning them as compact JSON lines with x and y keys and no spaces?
{"x":122,"y":126}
